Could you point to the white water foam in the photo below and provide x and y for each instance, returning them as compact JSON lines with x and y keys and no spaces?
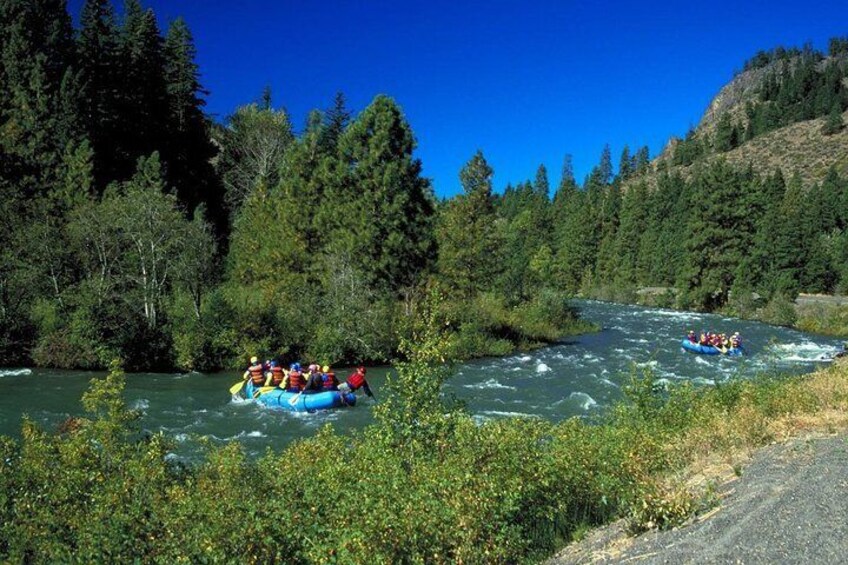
{"x":15,"y":372}
{"x":804,"y":352}
{"x":141,"y":404}
{"x":703,"y":381}
{"x":542,"y":368}
{"x":242,"y":435}
{"x":525,"y":358}
{"x":583,"y":399}
{"x":490,"y":384}
{"x":504,"y":414}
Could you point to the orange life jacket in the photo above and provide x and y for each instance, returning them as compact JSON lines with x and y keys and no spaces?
{"x":256,"y":376}
{"x":296,"y":380}
{"x":277,"y":376}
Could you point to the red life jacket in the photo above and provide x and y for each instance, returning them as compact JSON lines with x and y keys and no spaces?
{"x":277,"y":375}
{"x":355,"y":381}
{"x":256,"y":375}
{"x":296,"y":380}
{"x":330,"y":380}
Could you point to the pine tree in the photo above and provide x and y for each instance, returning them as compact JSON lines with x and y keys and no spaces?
{"x":142,"y":97}
{"x":714,"y":248}
{"x":724,"y":134}
{"x":625,"y":164}
{"x":642,"y":160}
{"x":834,"y":123}
{"x":188,"y":149}
{"x":97,"y":53}
{"x":467,"y":233}
{"x":386,"y":206}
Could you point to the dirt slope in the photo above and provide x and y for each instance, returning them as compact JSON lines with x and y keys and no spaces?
{"x":789,"y":506}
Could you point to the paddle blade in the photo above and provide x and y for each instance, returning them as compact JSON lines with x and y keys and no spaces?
{"x":236,"y":387}
{"x":293,"y":400}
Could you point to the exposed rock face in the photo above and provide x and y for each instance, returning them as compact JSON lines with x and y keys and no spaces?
{"x":798,"y":147}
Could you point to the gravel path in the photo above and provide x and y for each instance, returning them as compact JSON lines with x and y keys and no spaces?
{"x":789,"y":506}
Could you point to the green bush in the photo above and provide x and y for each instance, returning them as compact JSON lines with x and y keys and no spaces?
{"x":779,"y":311}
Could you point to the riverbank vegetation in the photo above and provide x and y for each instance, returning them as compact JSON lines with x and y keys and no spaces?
{"x":424,"y":483}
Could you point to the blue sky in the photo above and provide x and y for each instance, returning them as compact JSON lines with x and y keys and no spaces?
{"x":526,"y":82}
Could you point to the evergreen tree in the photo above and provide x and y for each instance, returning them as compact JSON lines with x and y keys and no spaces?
{"x":634,"y":216}
{"x":625,"y":164}
{"x":714,"y":248}
{"x":98,"y":56}
{"x":142,"y":97}
{"x":188,"y":148}
{"x":642,"y":160}
{"x":724,"y":134}
{"x":467,"y":233}
{"x":834,"y":123}
{"x":386,"y":206}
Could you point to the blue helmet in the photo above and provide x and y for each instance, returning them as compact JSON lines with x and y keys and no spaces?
{"x":295,"y":367}
{"x":273,"y":363}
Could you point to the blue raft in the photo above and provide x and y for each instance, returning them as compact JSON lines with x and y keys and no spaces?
{"x":279,"y":398}
{"x":709,"y":349}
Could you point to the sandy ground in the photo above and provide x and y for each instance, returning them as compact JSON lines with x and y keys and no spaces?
{"x":789,"y":506}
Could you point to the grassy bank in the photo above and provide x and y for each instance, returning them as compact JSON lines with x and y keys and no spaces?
{"x":425,"y":484}
{"x":826,"y":319}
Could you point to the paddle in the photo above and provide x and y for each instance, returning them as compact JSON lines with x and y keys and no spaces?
{"x":237,"y":387}
{"x":293,"y":399}
{"x":263,"y":390}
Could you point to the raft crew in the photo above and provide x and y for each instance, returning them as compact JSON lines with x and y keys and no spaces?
{"x":718,"y":340}
{"x":276,"y":375}
{"x":316,"y":379}
{"x":294,"y":381}
{"x":329,"y":378}
{"x":254,"y":372}
{"x":356,"y":381}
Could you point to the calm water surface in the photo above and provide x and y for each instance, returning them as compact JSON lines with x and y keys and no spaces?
{"x":576,"y":378}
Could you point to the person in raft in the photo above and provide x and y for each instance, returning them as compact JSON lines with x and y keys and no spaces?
{"x":329,"y":378}
{"x":736,"y":340}
{"x":315,"y":381}
{"x":356,"y":381}
{"x":254,"y":372}
{"x":276,"y":375}
{"x":294,"y":381}
{"x":692,"y":337}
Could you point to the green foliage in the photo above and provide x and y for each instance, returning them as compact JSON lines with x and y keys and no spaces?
{"x":834,"y":122}
{"x":779,"y":311}
{"x":468,"y":235}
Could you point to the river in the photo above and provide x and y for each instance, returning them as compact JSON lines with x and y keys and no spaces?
{"x":578,"y":377}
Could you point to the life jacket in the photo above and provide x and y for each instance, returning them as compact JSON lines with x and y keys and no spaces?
{"x":296,"y":380}
{"x":256,"y":375}
{"x":330,"y":381}
{"x":704,"y":340}
{"x":277,"y":376}
{"x":355,"y":381}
